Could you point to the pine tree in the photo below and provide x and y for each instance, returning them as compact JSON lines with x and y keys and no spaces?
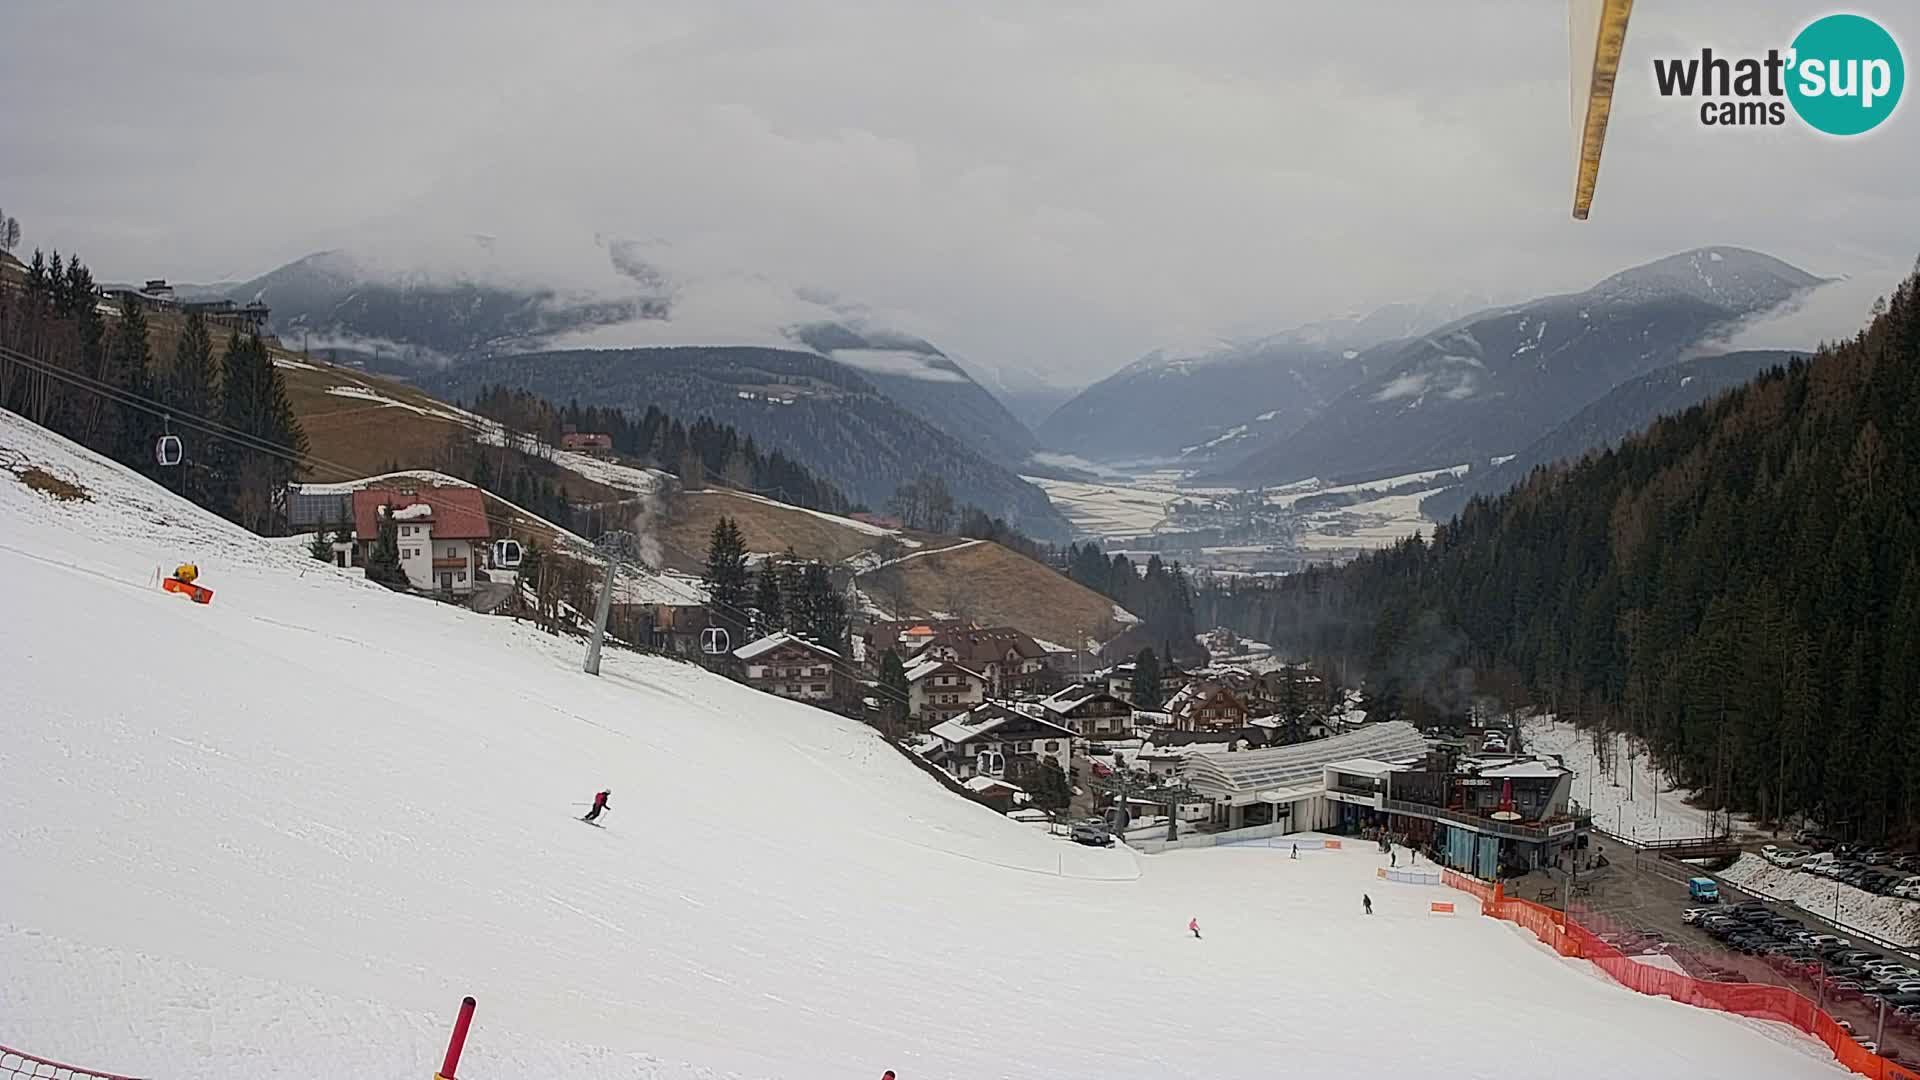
{"x":726,"y":577}
{"x":321,"y":546}
{"x":1293,"y":704}
{"x":383,"y":562}
{"x":188,"y":390}
{"x":1146,"y":681}
{"x":894,"y":688}
{"x":822,"y":614}
{"x":130,"y":434}
{"x":769,"y":611}
{"x":254,"y":466}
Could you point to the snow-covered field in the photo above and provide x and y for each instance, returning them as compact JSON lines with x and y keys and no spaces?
{"x":1375,"y":523}
{"x":1886,"y":917}
{"x":1643,"y":807}
{"x":281,"y":835}
{"x":1104,"y":510}
{"x":1142,"y":504}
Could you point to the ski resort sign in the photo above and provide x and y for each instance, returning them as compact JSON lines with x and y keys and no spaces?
{"x":1842,"y":75}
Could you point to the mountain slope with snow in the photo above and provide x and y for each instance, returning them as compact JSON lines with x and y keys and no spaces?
{"x":281,"y":835}
{"x":1623,"y":411}
{"x":1489,"y":385}
{"x":1215,"y":403}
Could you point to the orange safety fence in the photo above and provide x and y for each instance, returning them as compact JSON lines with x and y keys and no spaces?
{"x":1569,"y":938}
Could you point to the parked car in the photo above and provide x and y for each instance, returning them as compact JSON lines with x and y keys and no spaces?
{"x":1092,"y":831}
{"x":1692,"y":915}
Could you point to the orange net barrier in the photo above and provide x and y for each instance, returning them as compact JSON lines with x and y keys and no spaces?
{"x":20,"y":1065}
{"x":1569,"y":938}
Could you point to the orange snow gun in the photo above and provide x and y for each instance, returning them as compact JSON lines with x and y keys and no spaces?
{"x":182,"y":582}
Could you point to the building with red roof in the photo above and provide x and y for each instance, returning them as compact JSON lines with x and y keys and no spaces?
{"x":441,"y":532}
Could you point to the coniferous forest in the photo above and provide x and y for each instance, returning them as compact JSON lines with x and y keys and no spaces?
{"x":1738,"y":586}
{"x":701,"y":452}
{"x":77,"y":368}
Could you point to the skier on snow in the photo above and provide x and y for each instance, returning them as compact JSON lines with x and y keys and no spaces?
{"x":1193,"y":924}
{"x":599,"y":804}
{"x":1366,"y":903}
{"x":1296,"y":852}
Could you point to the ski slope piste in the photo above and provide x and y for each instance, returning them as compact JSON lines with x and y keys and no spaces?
{"x":283,"y":834}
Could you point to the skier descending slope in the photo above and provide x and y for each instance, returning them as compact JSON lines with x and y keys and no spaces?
{"x":599,"y":804}
{"x":1193,"y":924}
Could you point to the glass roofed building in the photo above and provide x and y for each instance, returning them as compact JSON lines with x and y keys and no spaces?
{"x":1287,"y":785}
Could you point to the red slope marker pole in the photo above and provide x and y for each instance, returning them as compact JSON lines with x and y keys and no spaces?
{"x":458,"y":1042}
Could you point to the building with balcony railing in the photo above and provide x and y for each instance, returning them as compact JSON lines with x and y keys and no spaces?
{"x":1476,"y":814}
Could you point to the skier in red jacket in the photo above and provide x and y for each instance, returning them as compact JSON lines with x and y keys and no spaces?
{"x":599,"y":804}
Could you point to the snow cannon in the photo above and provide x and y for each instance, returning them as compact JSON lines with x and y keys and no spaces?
{"x":184,"y":581}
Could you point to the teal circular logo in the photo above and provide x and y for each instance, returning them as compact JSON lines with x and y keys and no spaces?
{"x":1846,"y":74}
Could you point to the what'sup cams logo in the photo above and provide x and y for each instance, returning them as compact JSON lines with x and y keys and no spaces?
{"x":1842,"y":76}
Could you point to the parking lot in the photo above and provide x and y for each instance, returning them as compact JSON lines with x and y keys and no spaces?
{"x":1641,"y":899}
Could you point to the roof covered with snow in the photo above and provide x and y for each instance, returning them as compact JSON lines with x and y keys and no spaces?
{"x":922,"y":668}
{"x":989,"y":783}
{"x":988,"y":718}
{"x":774,"y":641}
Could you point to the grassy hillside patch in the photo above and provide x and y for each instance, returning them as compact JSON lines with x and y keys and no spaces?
{"x":993,"y":586}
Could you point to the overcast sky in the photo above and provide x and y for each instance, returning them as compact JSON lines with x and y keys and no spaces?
{"x":1056,"y":187}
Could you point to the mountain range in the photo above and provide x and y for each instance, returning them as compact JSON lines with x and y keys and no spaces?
{"x":1215,"y":403}
{"x":1405,"y":388}
{"x":1489,"y":384}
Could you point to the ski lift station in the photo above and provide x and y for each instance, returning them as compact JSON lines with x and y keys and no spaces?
{"x":1481,"y":813}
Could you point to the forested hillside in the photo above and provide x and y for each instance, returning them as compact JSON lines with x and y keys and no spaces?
{"x":698,"y":453}
{"x":88,"y":370}
{"x":819,"y":413}
{"x":1626,"y":410}
{"x":1740,"y":585}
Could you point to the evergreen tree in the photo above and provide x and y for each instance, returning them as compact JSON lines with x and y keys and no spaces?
{"x":321,"y":546}
{"x":383,"y":561}
{"x":1045,"y":783}
{"x":768,"y":610}
{"x":822,"y":612}
{"x":130,"y":436}
{"x":1293,"y":704}
{"x":726,"y":577}
{"x":188,"y":390}
{"x":894,"y":699}
{"x":255,"y":465}
{"x":1146,"y":681}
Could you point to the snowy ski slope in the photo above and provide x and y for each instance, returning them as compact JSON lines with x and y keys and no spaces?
{"x":281,"y":835}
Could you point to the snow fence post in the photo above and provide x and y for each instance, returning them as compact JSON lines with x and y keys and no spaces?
{"x":458,"y":1042}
